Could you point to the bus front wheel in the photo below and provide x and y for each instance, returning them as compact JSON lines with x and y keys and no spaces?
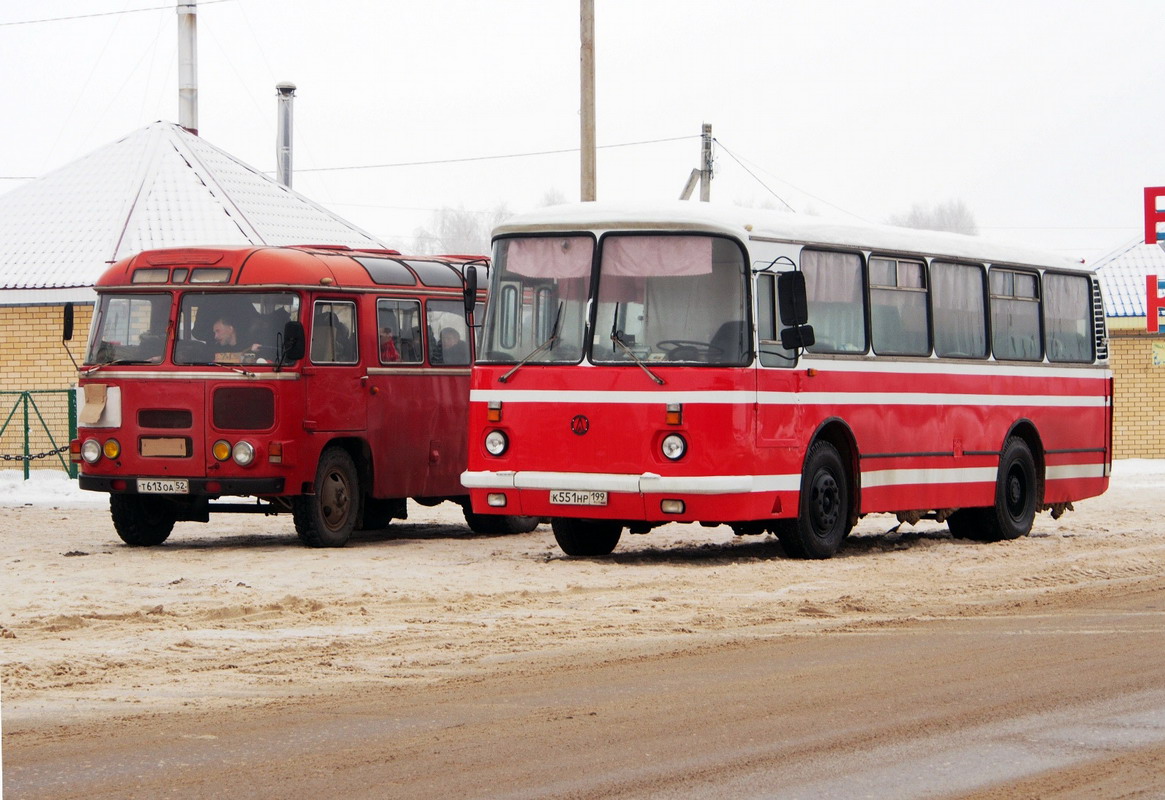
{"x":824,"y":517}
{"x":586,"y":537}
{"x":142,"y":521}
{"x":328,"y":517}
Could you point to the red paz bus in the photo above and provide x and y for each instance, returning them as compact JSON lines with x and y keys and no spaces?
{"x":781,"y":374}
{"x":324,"y":382}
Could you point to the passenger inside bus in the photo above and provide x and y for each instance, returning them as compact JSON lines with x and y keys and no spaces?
{"x":388,"y":348}
{"x":227,"y":340}
{"x":452,"y":350}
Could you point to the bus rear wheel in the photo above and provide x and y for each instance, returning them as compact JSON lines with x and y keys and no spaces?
{"x":327,"y":517}
{"x":586,"y":537}
{"x":824,"y":517}
{"x":142,"y":521}
{"x":1016,"y":500}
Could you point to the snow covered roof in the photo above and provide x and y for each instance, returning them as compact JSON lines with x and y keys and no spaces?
{"x":160,"y":186}
{"x":1122,"y":278}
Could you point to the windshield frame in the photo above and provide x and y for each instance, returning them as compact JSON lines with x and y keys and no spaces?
{"x":258,"y":334}
{"x":548,"y":328}
{"x":101,"y":349}
{"x":679,"y":251}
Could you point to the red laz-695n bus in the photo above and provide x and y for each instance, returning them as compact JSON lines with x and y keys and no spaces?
{"x":641,"y":366}
{"x":324,"y":382}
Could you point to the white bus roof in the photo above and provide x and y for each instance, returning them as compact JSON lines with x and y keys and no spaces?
{"x":766,"y":224}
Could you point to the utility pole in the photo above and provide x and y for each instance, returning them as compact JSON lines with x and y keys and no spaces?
{"x":703,"y":173}
{"x":706,"y":163}
{"x":588,"y":191}
{"x":286,"y":94}
{"x":188,"y":65}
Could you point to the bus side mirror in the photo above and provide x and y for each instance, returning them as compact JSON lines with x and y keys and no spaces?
{"x":67,"y":335}
{"x":470,"y":288}
{"x":794,"y":308}
{"x":294,"y":343}
{"x":792,"y":297}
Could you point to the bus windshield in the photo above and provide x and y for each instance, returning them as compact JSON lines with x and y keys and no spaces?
{"x":671,"y":298}
{"x":129,"y":329}
{"x":233,"y":328}
{"x":540,"y":299}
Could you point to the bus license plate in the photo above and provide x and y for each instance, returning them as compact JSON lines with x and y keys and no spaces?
{"x":163,"y":486}
{"x":569,"y":497}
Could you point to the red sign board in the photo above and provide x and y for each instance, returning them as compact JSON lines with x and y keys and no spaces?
{"x":1154,"y":216}
{"x":1154,"y":302}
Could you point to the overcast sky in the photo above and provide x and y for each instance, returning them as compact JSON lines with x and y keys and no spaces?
{"x":1046,"y":117}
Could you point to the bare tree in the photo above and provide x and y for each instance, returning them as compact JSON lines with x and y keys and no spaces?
{"x":953,"y":216}
{"x":459,"y":230}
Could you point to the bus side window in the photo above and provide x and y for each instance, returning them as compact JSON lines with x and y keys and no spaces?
{"x":959,"y":310}
{"x":398,"y":324}
{"x":1068,"y":318}
{"x":332,"y":333}
{"x":837,"y":310}
{"x":448,"y":333}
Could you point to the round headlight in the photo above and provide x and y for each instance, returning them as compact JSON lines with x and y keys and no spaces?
{"x":496,"y":443}
{"x":91,"y":451}
{"x":244,"y":453}
{"x":221,"y":450}
{"x":674,"y":446}
{"x":112,"y":448}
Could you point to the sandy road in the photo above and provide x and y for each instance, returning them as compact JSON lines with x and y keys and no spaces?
{"x":426,"y":662}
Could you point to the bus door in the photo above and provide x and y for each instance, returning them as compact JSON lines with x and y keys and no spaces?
{"x":335,"y":378}
{"x":779,"y":415}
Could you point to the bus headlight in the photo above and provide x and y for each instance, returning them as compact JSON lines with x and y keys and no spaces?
{"x":221,"y":450}
{"x":112,"y":448}
{"x":244,"y":453}
{"x":91,"y":451}
{"x":674,"y":446}
{"x":496,"y":443}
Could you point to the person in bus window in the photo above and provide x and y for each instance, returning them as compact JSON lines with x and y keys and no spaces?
{"x":388,"y":348}
{"x":226,"y":339}
{"x":453,"y":349}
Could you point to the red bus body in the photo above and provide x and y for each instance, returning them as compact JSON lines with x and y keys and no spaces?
{"x":923,"y":434}
{"x":346,"y":431}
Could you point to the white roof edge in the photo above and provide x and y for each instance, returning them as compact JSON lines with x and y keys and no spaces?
{"x":754,"y":223}
{"x":47,"y":297}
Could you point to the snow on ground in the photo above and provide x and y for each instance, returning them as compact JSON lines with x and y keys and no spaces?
{"x":51,"y":487}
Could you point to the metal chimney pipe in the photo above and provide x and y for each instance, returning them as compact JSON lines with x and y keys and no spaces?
{"x":286,"y":94}
{"x":188,"y":65}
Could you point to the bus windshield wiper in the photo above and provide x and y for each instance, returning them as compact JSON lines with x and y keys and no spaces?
{"x":548,"y":344}
{"x":617,"y":338}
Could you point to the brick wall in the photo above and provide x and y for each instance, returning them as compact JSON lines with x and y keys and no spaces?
{"x":31,"y":351}
{"x":33,"y":359}
{"x":1138,"y":395}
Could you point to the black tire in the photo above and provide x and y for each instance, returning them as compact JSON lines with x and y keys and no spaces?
{"x":142,"y":521}
{"x":1016,"y":500}
{"x":968,"y":523}
{"x":379,"y":514}
{"x":498,"y":524}
{"x":327,"y":517}
{"x":586,"y":537}
{"x":823,"y":520}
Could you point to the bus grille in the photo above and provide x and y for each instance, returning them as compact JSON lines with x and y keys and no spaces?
{"x":243,"y":408}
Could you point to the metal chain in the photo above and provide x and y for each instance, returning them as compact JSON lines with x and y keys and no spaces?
{"x":58,"y":451}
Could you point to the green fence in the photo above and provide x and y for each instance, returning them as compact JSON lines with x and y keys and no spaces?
{"x":35,"y":429}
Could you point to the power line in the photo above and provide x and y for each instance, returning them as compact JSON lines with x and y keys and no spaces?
{"x":754,"y":177}
{"x":488,"y":158}
{"x":104,"y":14}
